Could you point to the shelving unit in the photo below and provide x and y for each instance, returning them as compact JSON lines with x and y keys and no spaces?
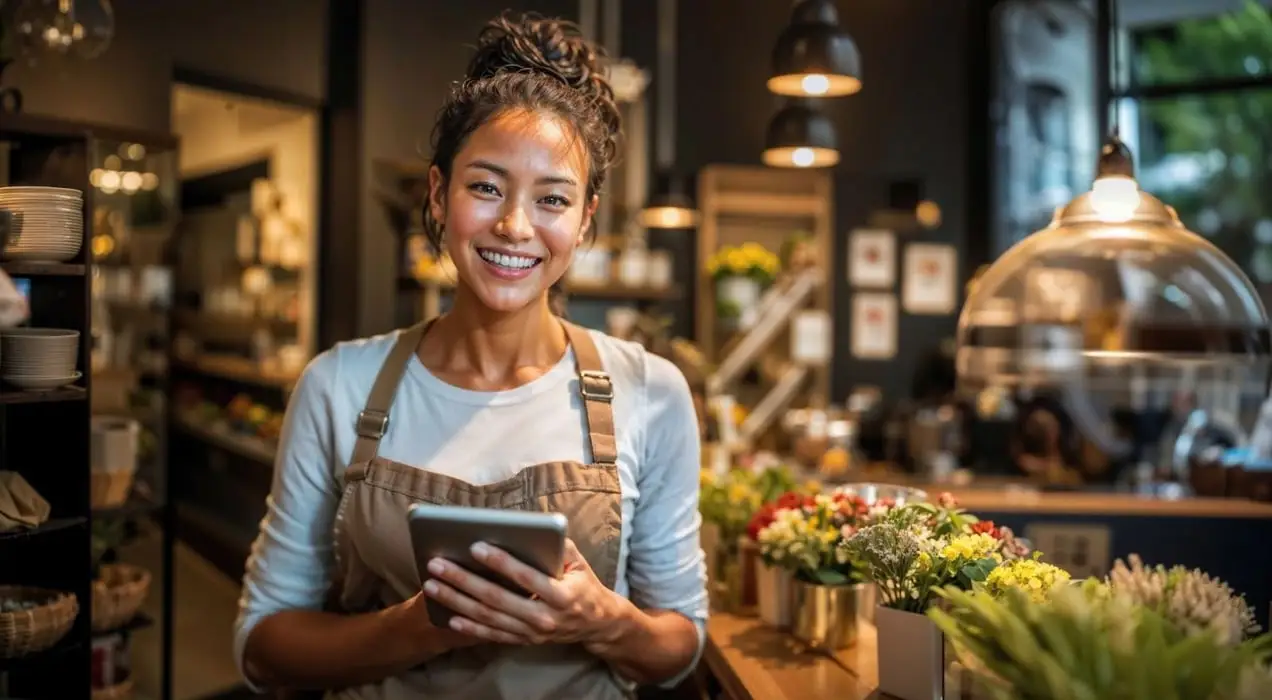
{"x":44,"y":436}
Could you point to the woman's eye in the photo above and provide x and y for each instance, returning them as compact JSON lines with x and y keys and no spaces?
{"x":556,"y":200}
{"x":484,"y":188}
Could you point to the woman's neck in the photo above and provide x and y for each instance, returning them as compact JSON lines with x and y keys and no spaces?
{"x":476,"y":348}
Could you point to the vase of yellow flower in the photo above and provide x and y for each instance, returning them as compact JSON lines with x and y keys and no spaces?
{"x":908,"y":553}
{"x":727,"y":504}
{"x":741,"y":273}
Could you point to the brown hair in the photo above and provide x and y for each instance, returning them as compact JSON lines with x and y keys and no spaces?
{"x":535,"y":64}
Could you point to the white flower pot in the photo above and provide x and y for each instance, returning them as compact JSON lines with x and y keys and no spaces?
{"x":911,"y":653}
{"x":743,"y":294}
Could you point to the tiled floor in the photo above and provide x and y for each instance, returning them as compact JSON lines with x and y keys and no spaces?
{"x":205,"y":605}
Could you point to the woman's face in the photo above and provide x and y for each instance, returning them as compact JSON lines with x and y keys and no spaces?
{"x":515,"y":207}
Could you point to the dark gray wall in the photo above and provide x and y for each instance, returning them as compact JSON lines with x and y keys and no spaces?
{"x":278,"y":45}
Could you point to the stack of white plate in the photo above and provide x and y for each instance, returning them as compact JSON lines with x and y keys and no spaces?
{"x":47,"y":224}
{"x":39,"y":359}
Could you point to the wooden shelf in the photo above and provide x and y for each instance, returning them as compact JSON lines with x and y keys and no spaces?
{"x":49,"y":526}
{"x":246,"y":446}
{"x":41,"y":269}
{"x":238,"y":369}
{"x":45,"y":659}
{"x":66,"y":393}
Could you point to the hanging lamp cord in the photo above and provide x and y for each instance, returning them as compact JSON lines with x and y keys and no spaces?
{"x":1115,"y":61}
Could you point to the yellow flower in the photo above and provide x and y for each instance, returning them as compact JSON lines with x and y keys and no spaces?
{"x":977,"y":546}
{"x":1035,"y":578}
{"x":706,"y":477}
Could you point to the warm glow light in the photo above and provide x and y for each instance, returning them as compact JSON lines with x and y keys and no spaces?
{"x":130,"y":181}
{"x":928,"y":214}
{"x":668,"y":217}
{"x":109,"y":181}
{"x":1115,"y":198}
{"x":800,"y":157}
{"x":815,"y":84}
{"x":149,"y":181}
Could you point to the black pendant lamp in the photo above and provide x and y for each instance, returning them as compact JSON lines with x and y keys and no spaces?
{"x":813,"y":56}
{"x":799,"y":136}
{"x":670,"y":204}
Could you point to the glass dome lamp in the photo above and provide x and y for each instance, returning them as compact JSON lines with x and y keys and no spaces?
{"x":1140,"y":334}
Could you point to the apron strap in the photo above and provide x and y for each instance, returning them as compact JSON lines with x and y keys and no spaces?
{"x":373,"y":421}
{"x":597,"y":390}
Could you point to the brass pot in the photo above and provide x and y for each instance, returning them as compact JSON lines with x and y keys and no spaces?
{"x":829,"y":617}
{"x":774,"y":596}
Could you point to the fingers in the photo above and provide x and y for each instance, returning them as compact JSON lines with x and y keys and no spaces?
{"x":484,"y":632}
{"x":536,"y":582}
{"x":497,"y":625}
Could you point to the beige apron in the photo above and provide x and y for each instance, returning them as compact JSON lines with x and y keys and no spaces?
{"x":375,"y":567}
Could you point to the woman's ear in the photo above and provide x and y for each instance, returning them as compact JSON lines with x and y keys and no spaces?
{"x":436,"y":194}
{"x":588,"y":212}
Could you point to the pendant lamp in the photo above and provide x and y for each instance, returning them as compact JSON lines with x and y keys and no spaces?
{"x":799,"y":136}
{"x":670,"y":204}
{"x":813,"y":56}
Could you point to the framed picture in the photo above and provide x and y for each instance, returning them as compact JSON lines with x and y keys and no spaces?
{"x":872,"y":258}
{"x":930,"y":285}
{"x":874,"y":326}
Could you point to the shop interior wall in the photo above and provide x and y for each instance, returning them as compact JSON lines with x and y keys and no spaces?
{"x":276,"y":45}
{"x":911,"y":121}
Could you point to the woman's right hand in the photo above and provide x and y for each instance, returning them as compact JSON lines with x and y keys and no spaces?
{"x":432,"y":640}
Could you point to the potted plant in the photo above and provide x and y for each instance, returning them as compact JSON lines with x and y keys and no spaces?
{"x":727,"y":504}
{"x":740,"y":274}
{"x":1143,"y":633}
{"x":909,"y":553}
{"x":829,"y":594}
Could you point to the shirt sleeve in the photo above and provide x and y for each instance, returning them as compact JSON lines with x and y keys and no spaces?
{"x":666,"y":566}
{"x":290,"y":561}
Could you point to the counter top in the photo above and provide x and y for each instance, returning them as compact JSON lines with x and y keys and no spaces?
{"x":752,"y":661}
{"x":1024,"y":500}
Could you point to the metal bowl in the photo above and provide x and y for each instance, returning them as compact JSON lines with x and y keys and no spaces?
{"x":873,"y":493}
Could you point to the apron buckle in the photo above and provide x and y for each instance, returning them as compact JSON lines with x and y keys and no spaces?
{"x":596,"y":386}
{"x":372,"y":424}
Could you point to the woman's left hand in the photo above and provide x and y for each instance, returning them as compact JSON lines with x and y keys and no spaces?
{"x":576,"y":608}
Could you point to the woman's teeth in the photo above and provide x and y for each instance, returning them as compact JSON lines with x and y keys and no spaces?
{"x":513,"y":262}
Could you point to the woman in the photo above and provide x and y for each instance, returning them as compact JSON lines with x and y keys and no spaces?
{"x":498,"y":403}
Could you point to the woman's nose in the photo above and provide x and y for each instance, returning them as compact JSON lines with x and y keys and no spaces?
{"x":515,"y":226}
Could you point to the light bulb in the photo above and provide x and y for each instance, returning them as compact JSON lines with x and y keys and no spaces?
{"x":802,"y":157}
{"x":1115,"y":198}
{"x":815,"y":84}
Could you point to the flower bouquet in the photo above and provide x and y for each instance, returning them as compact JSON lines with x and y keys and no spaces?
{"x":909,"y":553}
{"x":1145,"y":632}
{"x":802,"y":537}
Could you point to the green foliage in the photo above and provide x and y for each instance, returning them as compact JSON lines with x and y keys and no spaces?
{"x":1233,"y":129}
{"x":1085,"y":645}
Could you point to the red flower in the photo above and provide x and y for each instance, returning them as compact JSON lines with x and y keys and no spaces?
{"x":762,"y":519}
{"x":987,"y":527}
{"x":790,"y":499}
{"x":946,"y":500}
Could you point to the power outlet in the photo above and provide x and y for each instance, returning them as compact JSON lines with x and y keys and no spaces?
{"x":1082,"y":550}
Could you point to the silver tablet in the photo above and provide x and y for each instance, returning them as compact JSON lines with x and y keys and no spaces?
{"x":447,"y":532}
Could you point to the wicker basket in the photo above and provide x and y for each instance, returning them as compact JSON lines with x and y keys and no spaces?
{"x":35,"y":630}
{"x":119,"y":691}
{"x":110,"y":489}
{"x":118,"y":594}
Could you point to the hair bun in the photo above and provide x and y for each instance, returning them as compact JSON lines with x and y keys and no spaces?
{"x":550,"y":46}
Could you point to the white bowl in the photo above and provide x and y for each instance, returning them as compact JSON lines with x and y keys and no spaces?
{"x":41,"y":383}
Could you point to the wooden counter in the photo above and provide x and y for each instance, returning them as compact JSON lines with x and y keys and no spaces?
{"x":754,"y":662}
{"x":1021,"y":500}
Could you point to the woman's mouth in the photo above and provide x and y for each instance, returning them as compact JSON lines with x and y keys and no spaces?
{"x":508,"y":266}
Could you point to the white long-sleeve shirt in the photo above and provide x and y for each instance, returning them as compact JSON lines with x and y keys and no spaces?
{"x":484,"y":437}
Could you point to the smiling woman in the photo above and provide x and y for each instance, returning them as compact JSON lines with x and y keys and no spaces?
{"x":497,"y":404}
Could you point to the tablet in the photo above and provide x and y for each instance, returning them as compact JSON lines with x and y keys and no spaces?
{"x":538,"y":539}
